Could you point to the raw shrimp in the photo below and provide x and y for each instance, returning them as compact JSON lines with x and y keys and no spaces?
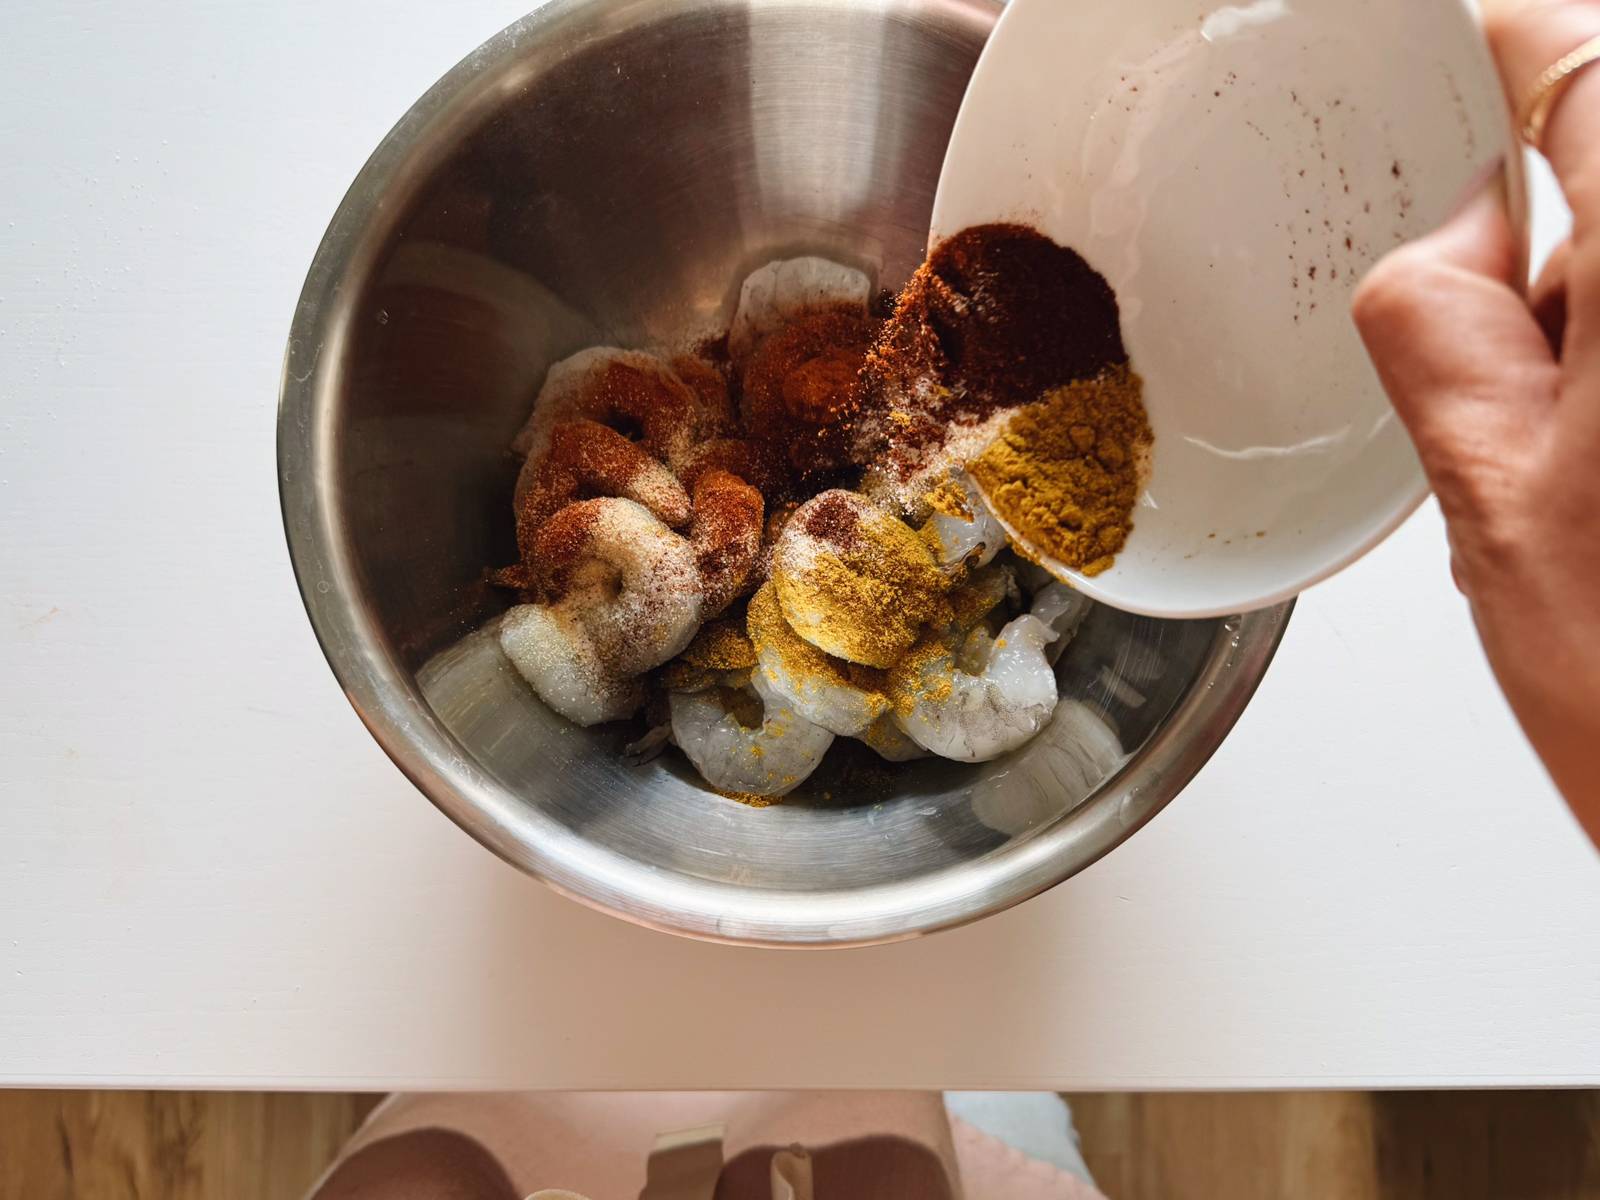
{"x":1003,"y":697}
{"x":839,"y":696}
{"x":1063,"y":609}
{"x":648,"y":746}
{"x":969,"y":533}
{"x":973,"y":695}
{"x":773,"y":294}
{"x":972,"y":653}
{"x":737,"y":755}
{"x":757,"y":463}
{"x":980,"y":594}
{"x":884,"y":736}
{"x":630,"y":582}
{"x":587,"y":458}
{"x":800,"y":385}
{"x":726,"y":535}
{"x":553,"y":651}
{"x":1063,"y":766}
{"x":627,"y":388}
{"x":710,"y":387}
{"x":720,"y":656}
{"x":856,"y":582}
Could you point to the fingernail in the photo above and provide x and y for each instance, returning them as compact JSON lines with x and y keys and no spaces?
{"x":1489,"y":179}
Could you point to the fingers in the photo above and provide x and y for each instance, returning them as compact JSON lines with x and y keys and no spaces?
{"x":1527,"y":36}
{"x":1548,"y":296}
{"x":1458,"y":350}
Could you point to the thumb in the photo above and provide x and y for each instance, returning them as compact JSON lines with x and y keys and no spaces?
{"x":1454,"y":342}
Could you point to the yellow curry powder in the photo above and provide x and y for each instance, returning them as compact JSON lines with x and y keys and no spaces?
{"x":924,"y":674}
{"x":720,"y":647}
{"x":801,"y":661}
{"x":864,"y":587}
{"x":950,"y":500}
{"x":1065,"y":472}
{"x":750,"y":798}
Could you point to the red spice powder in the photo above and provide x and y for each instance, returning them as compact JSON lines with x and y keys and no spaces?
{"x":833,"y":519}
{"x":728,"y":519}
{"x":998,"y":315}
{"x":800,"y":386}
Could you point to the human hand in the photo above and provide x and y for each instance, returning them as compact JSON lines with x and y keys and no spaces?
{"x":1501,"y":394}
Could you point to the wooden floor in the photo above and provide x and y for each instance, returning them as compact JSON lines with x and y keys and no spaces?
{"x":1350,"y":1145}
{"x":169,"y":1145}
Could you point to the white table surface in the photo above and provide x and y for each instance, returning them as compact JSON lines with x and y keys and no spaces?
{"x":210,"y":875}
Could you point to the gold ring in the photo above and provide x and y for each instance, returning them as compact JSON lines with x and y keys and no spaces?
{"x":1547,"y":89}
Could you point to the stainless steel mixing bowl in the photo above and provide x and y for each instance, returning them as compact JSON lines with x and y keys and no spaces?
{"x":607,"y":171}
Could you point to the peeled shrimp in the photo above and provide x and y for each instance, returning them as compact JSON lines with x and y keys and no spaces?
{"x":648,"y":746}
{"x":757,"y":463}
{"x":800,"y":385}
{"x":1063,"y":609}
{"x":613,"y":387}
{"x":1059,"y":769}
{"x":980,"y":594}
{"x":553,"y":651}
{"x":772,"y":294}
{"x":977,"y":536}
{"x":824,"y":690}
{"x":833,"y":701}
{"x":855,"y":581}
{"x":884,"y":736}
{"x":627,"y":580}
{"x":720,"y":656}
{"x":710,"y":388}
{"x":728,"y":522}
{"x":972,"y":695}
{"x":1003,"y":697}
{"x":972,"y":653}
{"x":624,"y":596}
{"x":769,"y":759}
{"x":585,"y":457}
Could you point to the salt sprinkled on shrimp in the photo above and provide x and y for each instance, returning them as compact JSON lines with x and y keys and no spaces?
{"x":619,"y":388}
{"x":622,"y":595}
{"x":773,"y":294}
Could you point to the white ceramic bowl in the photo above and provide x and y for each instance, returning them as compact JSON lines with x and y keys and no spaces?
{"x":1233,"y":171}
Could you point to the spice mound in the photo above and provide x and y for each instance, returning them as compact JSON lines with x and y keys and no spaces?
{"x":1006,"y":349}
{"x":998,"y":315}
{"x":1064,"y":472}
{"x":814,"y":527}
